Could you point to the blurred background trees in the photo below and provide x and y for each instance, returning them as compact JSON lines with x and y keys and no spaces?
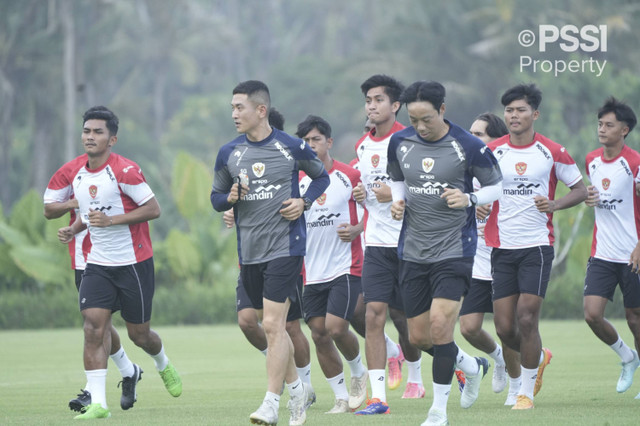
{"x":167,"y":68}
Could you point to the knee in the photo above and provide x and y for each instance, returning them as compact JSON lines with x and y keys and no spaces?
{"x":375,"y":318}
{"x":633,"y":318}
{"x":338,"y":332}
{"x":468,"y":329}
{"x":592,"y":318}
{"x":247,"y":324}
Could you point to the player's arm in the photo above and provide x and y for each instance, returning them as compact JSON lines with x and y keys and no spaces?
{"x":55,"y":210}
{"x":577,"y":194}
{"x":66,"y":234}
{"x":143,"y":213}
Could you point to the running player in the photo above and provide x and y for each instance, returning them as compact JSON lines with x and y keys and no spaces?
{"x":520,"y":230}
{"x":115,"y":204}
{"x":614,"y":171}
{"x":380,"y":270}
{"x":333,"y":267}
{"x":257,"y":175}
{"x":431,"y":166}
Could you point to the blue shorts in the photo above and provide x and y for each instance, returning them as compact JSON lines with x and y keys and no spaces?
{"x":380,"y":276}
{"x":521,"y":271}
{"x":603,"y":277}
{"x":243,"y":301}
{"x":337,"y":297}
{"x":129,"y":288}
{"x":274,"y":280}
{"x":478,"y":299}
{"x":422,"y":282}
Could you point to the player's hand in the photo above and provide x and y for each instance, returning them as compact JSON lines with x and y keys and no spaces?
{"x":292,"y":208}
{"x":483,"y":211}
{"x":72,"y":203}
{"x":65,"y":235}
{"x":397,"y":210}
{"x":634,"y":261}
{"x":359,"y":193}
{"x":382,"y":192}
{"x":593,"y":196}
{"x":455,"y":198}
{"x":228,"y":219}
{"x":543,"y":204}
{"x":99,"y":219}
{"x":481,"y":230}
{"x":233,"y":197}
{"x":347,"y":232}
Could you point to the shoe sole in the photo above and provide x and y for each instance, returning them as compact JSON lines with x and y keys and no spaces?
{"x":77,"y":407}
{"x":541,"y":369}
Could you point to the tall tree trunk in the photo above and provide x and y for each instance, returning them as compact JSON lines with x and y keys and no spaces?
{"x":69,"y":77}
{"x":7,"y":101}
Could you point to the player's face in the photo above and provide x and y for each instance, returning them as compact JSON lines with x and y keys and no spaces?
{"x":610,"y":130}
{"x":428,"y":121}
{"x":519,"y":117}
{"x":95,"y":138}
{"x":318,"y":143}
{"x":479,"y":130}
{"x":245,"y":114}
{"x":379,"y":107}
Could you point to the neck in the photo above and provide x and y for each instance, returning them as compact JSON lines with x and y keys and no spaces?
{"x":384,"y":128}
{"x":328,"y":162}
{"x":611,"y":152}
{"x":443,"y":132}
{"x":97,"y":162}
{"x":523,"y":138}
{"x":261,"y":132}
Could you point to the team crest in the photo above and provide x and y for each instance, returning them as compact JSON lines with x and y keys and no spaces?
{"x":375,"y":160}
{"x":93,"y":191}
{"x":258,"y":169}
{"x":427,"y":164}
{"x":322,"y":199}
{"x":606,"y":183}
{"x":521,"y":167}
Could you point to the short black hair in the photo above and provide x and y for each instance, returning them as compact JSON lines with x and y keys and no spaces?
{"x":622,"y":111}
{"x":424,"y":91}
{"x":495,"y":125}
{"x":311,"y":122}
{"x":256,"y":91}
{"x":276,"y":119}
{"x":529,"y":92}
{"x":102,"y":113}
{"x":392,"y":87}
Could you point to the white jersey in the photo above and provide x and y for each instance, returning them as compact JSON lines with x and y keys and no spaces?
{"x":617,"y":215}
{"x":116,"y":188}
{"x":482,"y":259}
{"x":327,"y":256}
{"x":60,"y":190}
{"x":527,"y":171}
{"x":379,"y":229}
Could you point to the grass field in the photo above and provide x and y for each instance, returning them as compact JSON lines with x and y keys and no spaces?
{"x":224,"y":381}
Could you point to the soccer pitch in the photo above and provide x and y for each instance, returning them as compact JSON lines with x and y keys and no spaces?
{"x":224,"y":381}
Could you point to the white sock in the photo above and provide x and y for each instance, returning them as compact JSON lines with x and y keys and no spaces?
{"x":123,"y":363}
{"x":295,"y":388}
{"x":467,"y":363}
{"x":339,"y":387}
{"x":496,"y":355}
{"x":272,"y":399}
{"x":377,"y":379}
{"x":392,"y":347}
{"x":97,"y":380}
{"x":305,"y":373}
{"x":441,"y":397}
{"x":264,"y":352}
{"x":160,"y":359}
{"x":529,"y":376}
{"x":415,"y":371}
{"x":515,"y":384}
{"x":623,"y":351}
{"x":356,"y":366}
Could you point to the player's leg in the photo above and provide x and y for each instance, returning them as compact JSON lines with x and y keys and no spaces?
{"x":136,"y":284}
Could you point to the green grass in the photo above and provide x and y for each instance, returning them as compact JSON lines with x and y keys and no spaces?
{"x":224,"y":381}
